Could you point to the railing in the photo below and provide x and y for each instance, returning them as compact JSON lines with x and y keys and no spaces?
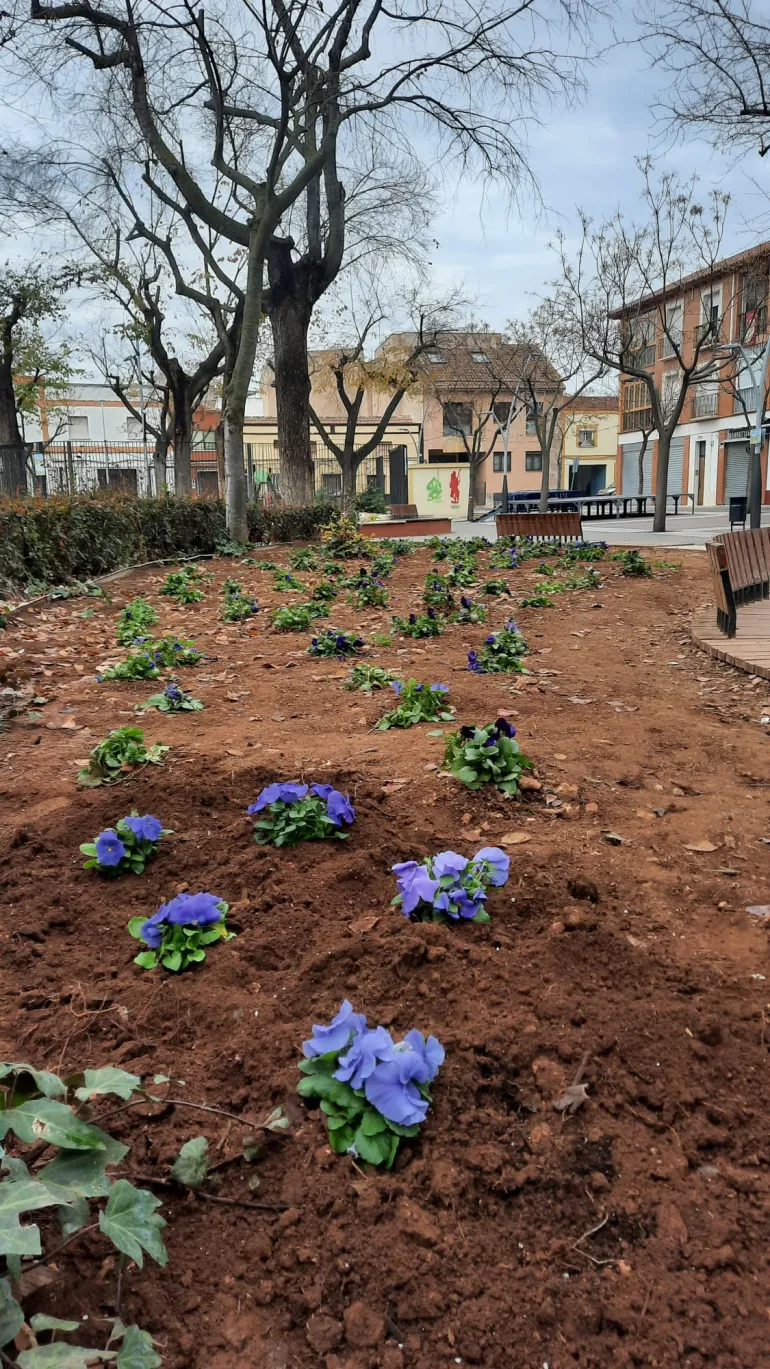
{"x":670,"y":345}
{"x":708,"y":334}
{"x":746,"y":400}
{"x":753,"y":325}
{"x":705,"y":403}
{"x":636,"y":420}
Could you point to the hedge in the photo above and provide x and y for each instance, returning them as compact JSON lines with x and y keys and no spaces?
{"x":50,"y":541}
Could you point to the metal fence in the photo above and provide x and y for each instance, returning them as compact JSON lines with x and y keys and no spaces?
{"x":130,"y":468}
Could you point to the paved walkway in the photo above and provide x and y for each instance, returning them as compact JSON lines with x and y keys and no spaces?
{"x":749,"y":649}
{"x":684,"y":530}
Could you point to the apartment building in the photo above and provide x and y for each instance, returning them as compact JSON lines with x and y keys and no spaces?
{"x":589,"y":443}
{"x":720,"y":310}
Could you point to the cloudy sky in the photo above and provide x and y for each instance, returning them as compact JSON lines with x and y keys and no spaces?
{"x":585,"y":157}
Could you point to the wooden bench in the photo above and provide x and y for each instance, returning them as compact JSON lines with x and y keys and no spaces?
{"x":563,"y":527}
{"x":740,"y":572}
{"x":403,"y":511}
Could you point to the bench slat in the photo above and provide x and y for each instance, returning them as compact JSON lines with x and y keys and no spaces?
{"x":564,"y":526}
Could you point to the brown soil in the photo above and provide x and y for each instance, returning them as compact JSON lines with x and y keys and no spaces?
{"x":473,"y":1250}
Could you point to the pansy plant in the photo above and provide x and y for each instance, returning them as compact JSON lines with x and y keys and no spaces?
{"x":133,"y":621}
{"x":492,"y":588}
{"x":299,"y":812}
{"x":373,"y":1091}
{"x":173,"y":699}
{"x":438,"y":592}
{"x":126,"y":847}
{"x":487,"y":755}
{"x":418,"y":624}
{"x":368,"y":678}
{"x":448,"y":887}
{"x":501,"y":653}
{"x":116,"y":757}
{"x":367,"y":591}
{"x":470,"y":612}
{"x":177,"y":935}
{"x":334,"y":642}
{"x":297,"y":618}
{"x":417,"y":703}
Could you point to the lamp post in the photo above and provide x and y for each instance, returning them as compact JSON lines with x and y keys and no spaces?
{"x":757,"y":432}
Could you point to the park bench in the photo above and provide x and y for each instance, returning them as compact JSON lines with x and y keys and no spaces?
{"x":563,"y":527}
{"x":403,"y":511}
{"x":740,"y":572}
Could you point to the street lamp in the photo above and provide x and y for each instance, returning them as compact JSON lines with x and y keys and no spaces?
{"x":757,"y":432}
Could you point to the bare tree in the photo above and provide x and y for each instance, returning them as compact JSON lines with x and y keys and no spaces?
{"x":262,"y":95}
{"x":553,"y":361}
{"x":28,"y":298}
{"x":717,"y":53}
{"x":625,"y":289}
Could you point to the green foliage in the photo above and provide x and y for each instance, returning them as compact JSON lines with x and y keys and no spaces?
{"x":191,"y":1164}
{"x":324,"y":590}
{"x":633,"y":563}
{"x":502,"y":652}
{"x":137,"y":666}
{"x":591,"y":580}
{"x":180,"y":585}
{"x":286,"y":824}
{"x":284,"y":580}
{"x":138,"y":849}
{"x":470,"y":612}
{"x":382,"y":639}
{"x":382,"y":565}
{"x":417,"y":703}
{"x":486,"y":755}
{"x":122,"y":751}
{"x":297,"y":618}
{"x":438,"y":592}
{"x":132,"y":1223}
{"x":227,"y":547}
{"x":334,"y":642}
{"x":396,"y":546}
{"x":585,"y":551}
{"x":538,"y":600}
{"x":302,"y":559}
{"x":175,"y":651}
{"x":182,"y":945}
{"x":418,"y":625}
{"x":174,"y":699}
{"x":134,"y":620}
{"x":367,"y":678}
{"x":350,"y":1118}
{"x":371,"y":500}
{"x":236,"y":605}
{"x":367,"y":592}
{"x":494,"y":587}
{"x":462,"y":575}
{"x":343,"y":540}
{"x":55,"y":540}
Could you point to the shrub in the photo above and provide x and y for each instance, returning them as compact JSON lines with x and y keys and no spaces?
{"x":176,"y":936}
{"x":126,"y":847}
{"x":298,"y":812}
{"x":417,"y":703}
{"x":372,"y":1090}
{"x":342,"y":539}
{"x":448,"y":887}
{"x":487,"y":755}
{"x":371,"y":500}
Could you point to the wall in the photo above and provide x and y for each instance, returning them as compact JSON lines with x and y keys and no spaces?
{"x":519,"y":442}
{"x":440,"y":490}
{"x":605,"y":451}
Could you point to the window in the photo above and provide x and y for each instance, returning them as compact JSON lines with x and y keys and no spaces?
{"x":637,"y":413}
{"x":531,"y":424}
{"x":479,"y":356}
{"x":458,"y":418}
{"x":332,"y":483}
{"x":706,"y":398}
{"x":669,"y":391}
{"x":435,"y":357}
{"x":501,"y":412}
{"x":586,"y":437}
{"x":77,"y":427}
{"x":709,"y":327}
{"x":672,"y":333}
{"x":753,"y":322}
{"x":497,"y":461}
{"x":134,"y":428}
{"x":533,"y":461}
{"x":639,"y":340}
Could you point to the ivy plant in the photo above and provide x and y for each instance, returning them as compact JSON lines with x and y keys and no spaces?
{"x":368,"y":678}
{"x":297,"y":618}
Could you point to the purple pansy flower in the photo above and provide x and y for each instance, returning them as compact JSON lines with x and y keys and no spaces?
{"x":474,"y":663}
{"x":339,"y":808}
{"x":322,"y":791}
{"x":396,"y":686}
{"x":504,"y":728}
{"x":431,"y":1051}
{"x":196,"y":910}
{"x":335,"y":1037}
{"x":448,"y":863}
{"x":146,"y":828}
{"x":439,"y":689}
{"x":414,"y":884}
{"x":497,"y":862}
{"x":392,"y":1091}
{"x":152,"y":930}
{"x":365,"y":1051}
{"x":109,"y":848}
{"x":278,"y":793}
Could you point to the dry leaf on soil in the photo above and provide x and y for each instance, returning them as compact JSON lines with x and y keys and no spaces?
{"x":515,"y":838}
{"x":704,"y":846}
{"x":571,"y":1099}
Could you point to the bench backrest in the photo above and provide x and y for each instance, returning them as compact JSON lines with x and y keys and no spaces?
{"x":403,"y":511}
{"x":747,"y":555}
{"x":539,"y":525}
{"x":717,"y":565}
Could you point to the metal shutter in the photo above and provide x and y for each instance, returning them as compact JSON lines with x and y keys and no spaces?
{"x":631,"y":469}
{"x":675,"y":464}
{"x":736,"y":469}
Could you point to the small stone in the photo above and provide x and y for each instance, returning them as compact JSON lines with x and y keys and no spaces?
{"x":289,"y":1219}
{"x":363,"y":1326}
{"x":414,"y":1221}
{"x":599,"y":1182}
{"x":528,"y":784}
{"x":323,"y":1333}
{"x":392,"y":1357}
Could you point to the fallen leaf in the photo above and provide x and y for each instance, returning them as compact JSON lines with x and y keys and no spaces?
{"x":759,"y":910}
{"x":390,"y":786}
{"x":363,"y":924}
{"x":575,"y":699}
{"x":515,"y":838}
{"x":229,"y":752}
{"x":572,"y":1098}
{"x":704,"y":846}
{"x":472,"y":835}
{"x":614,"y":838}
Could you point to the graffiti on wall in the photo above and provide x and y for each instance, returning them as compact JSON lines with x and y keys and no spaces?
{"x":435,"y":489}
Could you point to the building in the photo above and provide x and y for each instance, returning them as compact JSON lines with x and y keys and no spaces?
{"x":709,"y":456}
{"x":589,"y":443}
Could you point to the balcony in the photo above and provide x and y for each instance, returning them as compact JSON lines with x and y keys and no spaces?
{"x":753,"y":325}
{"x":746,"y":400}
{"x":641,"y":358}
{"x":708,"y":334}
{"x":669,"y":345}
{"x":705,"y":402}
{"x":636,"y":420}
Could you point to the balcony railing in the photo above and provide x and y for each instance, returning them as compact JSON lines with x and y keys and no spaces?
{"x":669,"y":345}
{"x":708,"y":334}
{"x":746,"y":400}
{"x":753,"y":325}
{"x":705,"y":403}
{"x":636,"y":420}
{"x":642,"y":358}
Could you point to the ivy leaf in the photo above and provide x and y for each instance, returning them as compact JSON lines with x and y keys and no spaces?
{"x":21,"y":1195}
{"x":14,"y":1168}
{"x":137,"y":1351}
{"x":40,"y":1322}
{"x":277,"y":1121}
{"x":108,"y":1080}
{"x":191,"y":1164}
{"x":11,"y":1315}
{"x":61,"y":1356}
{"x":81,"y":1173}
{"x":48,"y":1084}
{"x":72,"y":1217}
{"x":132,"y":1224}
{"x":42,"y":1119}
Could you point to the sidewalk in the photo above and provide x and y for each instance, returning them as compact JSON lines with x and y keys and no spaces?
{"x":684,"y":530}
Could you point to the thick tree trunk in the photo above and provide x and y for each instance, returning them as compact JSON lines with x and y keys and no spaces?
{"x":219,"y":446}
{"x":661,"y":483}
{"x":159,"y":458}
{"x":13,"y":464}
{"x":545,"y":481}
{"x":235,"y":477}
{"x":183,"y":427}
{"x":290,"y":309}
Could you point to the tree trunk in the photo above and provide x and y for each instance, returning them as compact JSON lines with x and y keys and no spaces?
{"x":545,"y":479}
{"x":349,"y":472}
{"x":290,"y":310}
{"x":661,"y":482}
{"x":13,"y":464}
{"x":219,"y":446}
{"x":235,"y":477}
{"x":183,"y":426}
{"x":159,"y":458}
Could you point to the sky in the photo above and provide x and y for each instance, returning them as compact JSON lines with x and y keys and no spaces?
{"x":583,"y":157}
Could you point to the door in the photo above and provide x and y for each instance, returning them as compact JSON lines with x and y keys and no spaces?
{"x":700,"y":457}
{"x":675,"y":464}
{"x":736,"y":469}
{"x":399,"y":485}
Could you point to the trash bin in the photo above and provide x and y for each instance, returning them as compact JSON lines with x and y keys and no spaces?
{"x":738,"y":504}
